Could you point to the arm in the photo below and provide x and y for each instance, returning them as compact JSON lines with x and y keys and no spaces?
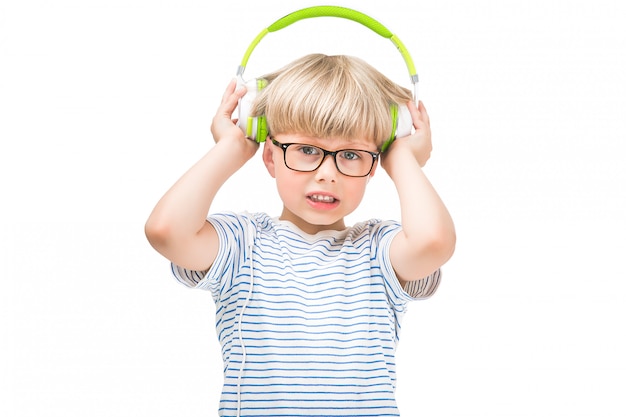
{"x":177,"y":227}
{"x":428,"y":238}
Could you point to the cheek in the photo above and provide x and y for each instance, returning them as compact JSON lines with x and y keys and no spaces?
{"x":282,"y":173}
{"x":290,"y":189}
{"x":358,"y":191}
{"x":287,"y":181}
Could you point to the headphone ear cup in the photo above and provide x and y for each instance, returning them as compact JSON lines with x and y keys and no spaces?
{"x":255,"y":128}
{"x":401,"y":122}
{"x":244,"y":106}
{"x":404,"y":123}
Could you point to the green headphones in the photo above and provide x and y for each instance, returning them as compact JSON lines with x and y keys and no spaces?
{"x":255,"y":128}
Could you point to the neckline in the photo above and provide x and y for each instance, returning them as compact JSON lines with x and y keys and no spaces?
{"x":337,"y":234}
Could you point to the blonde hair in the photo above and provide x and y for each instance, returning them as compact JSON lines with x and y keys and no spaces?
{"x":330,"y":96}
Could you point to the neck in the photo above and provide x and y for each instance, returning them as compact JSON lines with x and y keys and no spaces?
{"x":310,"y":228}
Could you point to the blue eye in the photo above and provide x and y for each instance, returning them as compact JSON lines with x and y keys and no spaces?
{"x":309,"y":150}
{"x":350,"y":155}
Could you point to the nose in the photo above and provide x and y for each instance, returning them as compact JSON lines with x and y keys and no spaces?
{"x":328,"y":170}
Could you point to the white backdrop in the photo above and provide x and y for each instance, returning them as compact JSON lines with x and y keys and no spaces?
{"x":104,"y":104}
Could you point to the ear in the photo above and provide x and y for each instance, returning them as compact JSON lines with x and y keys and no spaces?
{"x":268,"y":157}
{"x":373,"y":171}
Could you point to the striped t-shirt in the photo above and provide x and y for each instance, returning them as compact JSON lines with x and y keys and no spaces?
{"x":321,"y":316}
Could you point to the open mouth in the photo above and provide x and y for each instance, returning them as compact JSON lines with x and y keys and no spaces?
{"x":317,"y":198}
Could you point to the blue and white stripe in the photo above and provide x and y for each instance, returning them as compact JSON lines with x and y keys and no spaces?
{"x":321,"y":327}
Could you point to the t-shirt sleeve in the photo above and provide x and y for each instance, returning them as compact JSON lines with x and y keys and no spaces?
{"x":382,"y":236}
{"x":425,"y":287}
{"x":233,"y":233}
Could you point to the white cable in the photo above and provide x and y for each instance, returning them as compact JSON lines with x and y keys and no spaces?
{"x":251,"y":236}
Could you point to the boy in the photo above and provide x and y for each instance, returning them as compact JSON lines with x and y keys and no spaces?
{"x":308,"y":310}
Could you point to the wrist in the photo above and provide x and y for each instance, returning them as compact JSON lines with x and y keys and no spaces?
{"x":237,"y":149}
{"x":396,"y":157}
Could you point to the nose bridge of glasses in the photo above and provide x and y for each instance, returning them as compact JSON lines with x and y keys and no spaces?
{"x":332,"y":160}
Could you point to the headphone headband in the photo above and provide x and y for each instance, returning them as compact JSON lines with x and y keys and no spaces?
{"x":255,"y":128}
{"x":333,"y":11}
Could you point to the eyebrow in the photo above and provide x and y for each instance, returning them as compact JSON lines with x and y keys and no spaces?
{"x":342,"y":144}
{"x":343,"y":148}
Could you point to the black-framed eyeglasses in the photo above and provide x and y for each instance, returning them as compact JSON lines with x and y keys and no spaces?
{"x":306,"y":158}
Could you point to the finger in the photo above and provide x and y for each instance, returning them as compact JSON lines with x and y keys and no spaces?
{"x":231,"y":99}
{"x":229,"y":90}
{"x":424,"y":113}
{"x":415,"y":115}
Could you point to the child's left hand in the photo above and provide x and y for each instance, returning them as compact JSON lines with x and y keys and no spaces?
{"x":419,"y":143}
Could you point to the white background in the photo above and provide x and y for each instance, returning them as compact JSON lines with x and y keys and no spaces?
{"x":104,"y":104}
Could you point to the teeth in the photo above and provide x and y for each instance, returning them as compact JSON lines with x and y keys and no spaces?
{"x":322,"y":198}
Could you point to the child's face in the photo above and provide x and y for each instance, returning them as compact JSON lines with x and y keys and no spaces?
{"x":320,"y":199}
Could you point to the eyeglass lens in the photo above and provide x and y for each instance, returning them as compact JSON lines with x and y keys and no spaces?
{"x":349,"y":162}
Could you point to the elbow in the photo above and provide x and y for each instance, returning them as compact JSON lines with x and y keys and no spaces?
{"x":448,"y":241}
{"x":448,"y":245}
{"x":158,"y":232}
{"x":442,"y":244}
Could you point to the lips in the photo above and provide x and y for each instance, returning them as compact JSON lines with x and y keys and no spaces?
{"x":322,"y":201}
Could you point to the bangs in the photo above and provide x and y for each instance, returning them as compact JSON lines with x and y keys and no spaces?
{"x":329,"y":107}
{"x":330,"y":97}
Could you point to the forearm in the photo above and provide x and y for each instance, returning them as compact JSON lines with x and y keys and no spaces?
{"x":424,"y":216}
{"x":182,"y":211}
{"x":177,"y":227}
{"x":427,"y":238}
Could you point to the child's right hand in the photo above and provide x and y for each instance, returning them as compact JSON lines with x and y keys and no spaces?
{"x":223,"y":126}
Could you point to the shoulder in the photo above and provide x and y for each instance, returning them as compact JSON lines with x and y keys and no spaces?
{"x":374,"y":229}
{"x":239,"y":220}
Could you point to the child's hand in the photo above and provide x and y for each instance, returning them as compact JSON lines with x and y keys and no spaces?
{"x":223,"y":126}
{"x":418,"y":144}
